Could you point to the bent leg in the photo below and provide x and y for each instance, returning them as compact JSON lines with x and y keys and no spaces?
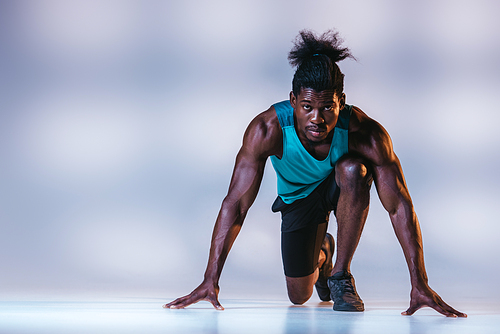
{"x":354,"y":179}
{"x":302,"y":256}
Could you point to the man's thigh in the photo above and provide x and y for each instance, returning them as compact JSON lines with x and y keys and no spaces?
{"x":300,"y":249}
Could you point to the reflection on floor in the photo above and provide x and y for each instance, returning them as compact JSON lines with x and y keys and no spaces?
{"x":145,"y":315}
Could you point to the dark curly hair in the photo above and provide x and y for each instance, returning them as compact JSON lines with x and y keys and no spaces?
{"x":316,"y":61}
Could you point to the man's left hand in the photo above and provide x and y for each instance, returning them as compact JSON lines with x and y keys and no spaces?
{"x":425,"y":296}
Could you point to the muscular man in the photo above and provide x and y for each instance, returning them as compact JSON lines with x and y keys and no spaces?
{"x":326,"y":155}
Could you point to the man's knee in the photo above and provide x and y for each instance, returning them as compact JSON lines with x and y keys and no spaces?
{"x":352,"y":171}
{"x":300,"y":288}
{"x":298,"y":299}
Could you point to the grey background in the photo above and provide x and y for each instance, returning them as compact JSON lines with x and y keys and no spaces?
{"x":120,"y":121}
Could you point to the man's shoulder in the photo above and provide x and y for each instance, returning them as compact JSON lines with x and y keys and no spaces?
{"x":368,"y":137}
{"x":266,"y":120}
{"x":264,"y":133}
{"x":363,"y":124}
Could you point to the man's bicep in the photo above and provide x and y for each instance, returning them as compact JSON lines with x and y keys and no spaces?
{"x":246,"y":179}
{"x":259,"y":142}
{"x":388,"y":174}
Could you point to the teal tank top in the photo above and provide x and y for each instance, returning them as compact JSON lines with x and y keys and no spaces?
{"x":298,"y":172}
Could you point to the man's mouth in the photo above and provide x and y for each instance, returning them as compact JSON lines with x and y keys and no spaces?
{"x":315,"y":131}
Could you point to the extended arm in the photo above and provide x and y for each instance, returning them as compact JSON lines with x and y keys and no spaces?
{"x":243,"y":189}
{"x":394,"y":195}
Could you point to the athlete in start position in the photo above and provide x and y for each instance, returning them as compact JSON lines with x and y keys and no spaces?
{"x":326,"y":155}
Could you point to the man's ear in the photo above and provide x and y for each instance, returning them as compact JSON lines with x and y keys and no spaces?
{"x":342,"y":101}
{"x":293,"y":100}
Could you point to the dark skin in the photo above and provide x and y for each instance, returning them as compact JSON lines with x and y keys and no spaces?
{"x":316,"y":114}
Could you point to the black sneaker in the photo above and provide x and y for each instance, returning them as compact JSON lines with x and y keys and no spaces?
{"x":343,"y":293}
{"x":325,"y":271}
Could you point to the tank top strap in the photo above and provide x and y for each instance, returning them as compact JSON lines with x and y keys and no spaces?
{"x":284,"y":111}
{"x":344,"y":116}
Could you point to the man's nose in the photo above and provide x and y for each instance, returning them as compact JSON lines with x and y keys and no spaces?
{"x":317,"y":117}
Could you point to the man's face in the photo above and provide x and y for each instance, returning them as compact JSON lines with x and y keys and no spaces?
{"x":316,"y":113}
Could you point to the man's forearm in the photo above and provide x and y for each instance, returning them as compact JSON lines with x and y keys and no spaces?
{"x":407,"y":229}
{"x":226,"y":229}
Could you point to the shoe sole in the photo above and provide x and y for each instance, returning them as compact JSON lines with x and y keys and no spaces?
{"x":348,"y":308}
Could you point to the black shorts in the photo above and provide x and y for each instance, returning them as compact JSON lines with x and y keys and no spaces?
{"x":303,"y":227}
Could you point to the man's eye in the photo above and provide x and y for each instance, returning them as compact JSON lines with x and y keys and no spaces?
{"x":328,"y":108}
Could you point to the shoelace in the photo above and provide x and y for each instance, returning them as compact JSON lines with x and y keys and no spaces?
{"x":345,"y":285}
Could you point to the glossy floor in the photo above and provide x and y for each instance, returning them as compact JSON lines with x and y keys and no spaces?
{"x":145,"y":315}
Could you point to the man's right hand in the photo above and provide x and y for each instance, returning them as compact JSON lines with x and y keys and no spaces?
{"x":205,"y":291}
